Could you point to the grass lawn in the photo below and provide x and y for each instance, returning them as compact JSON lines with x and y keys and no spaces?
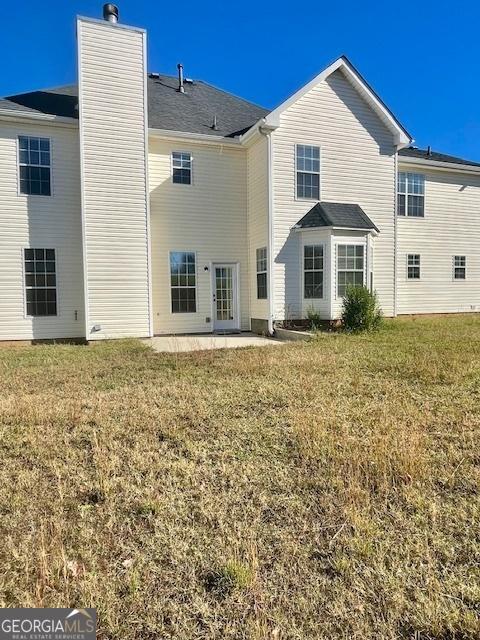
{"x":318,"y":490}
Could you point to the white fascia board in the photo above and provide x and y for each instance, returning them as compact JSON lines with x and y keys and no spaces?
{"x":333,"y":228}
{"x":262,"y":127}
{"x":38,"y":118}
{"x":402,"y":139}
{"x":107,"y":23}
{"x":199,"y":138}
{"x":437,"y":165}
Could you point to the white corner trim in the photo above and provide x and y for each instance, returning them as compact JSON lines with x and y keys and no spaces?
{"x":147,"y":189}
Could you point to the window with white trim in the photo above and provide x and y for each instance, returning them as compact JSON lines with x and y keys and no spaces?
{"x":40,"y":282}
{"x":183,"y":282}
{"x":308,"y":171}
{"x":459,"y":267}
{"x":34,"y":166}
{"x":411,"y":195}
{"x":262,"y":273}
{"x":182,"y":167}
{"x":350,"y":267}
{"x":413,"y":266}
{"x":313,"y":271}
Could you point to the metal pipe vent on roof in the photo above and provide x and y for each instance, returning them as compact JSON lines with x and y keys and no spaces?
{"x":181,"y":87}
{"x":429,"y":151}
{"x":110,"y":13}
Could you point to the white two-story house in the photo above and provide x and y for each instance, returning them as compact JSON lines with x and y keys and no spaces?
{"x":135,"y":204}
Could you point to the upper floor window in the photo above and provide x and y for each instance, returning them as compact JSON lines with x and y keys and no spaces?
{"x":182,"y":167}
{"x":411,"y":194}
{"x":40,"y":282}
{"x":459,"y":267}
{"x":308,"y":172}
{"x":413,"y":266}
{"x":350,"y":267}
{"x":262,"y":273}
{"x":34,"y":165}
{"x":313,"y":271}
{"x":183,"y":282}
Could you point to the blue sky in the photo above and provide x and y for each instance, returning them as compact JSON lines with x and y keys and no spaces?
{"x":422,"y":57}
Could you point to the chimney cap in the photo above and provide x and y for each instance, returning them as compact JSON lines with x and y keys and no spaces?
{"x":110,"y":12}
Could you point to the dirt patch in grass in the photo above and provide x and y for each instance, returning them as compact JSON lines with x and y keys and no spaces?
{"x":327,"y":489}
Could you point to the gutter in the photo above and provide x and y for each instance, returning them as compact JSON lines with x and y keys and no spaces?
{"x":441,"y":166}
{"x":199,"y":138}
{"x":44,"y":118}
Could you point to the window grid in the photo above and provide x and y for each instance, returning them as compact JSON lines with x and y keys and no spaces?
{"x":313,"y":271}
{"x":224,"y":292}
{"x":182,"y":167}
{"x":413,"y":266}
{"x":350,"y":267}
{"x":411,"y":195}
{"x":308,"y":171}
{"x":183,"y":282}
{"x":262,"y":273}
{"x":34,"y":162}
{"x":459,"y":267}
{"x":40,"y":282}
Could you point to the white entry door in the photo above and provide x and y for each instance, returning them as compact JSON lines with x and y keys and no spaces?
{"x":224,"y":287}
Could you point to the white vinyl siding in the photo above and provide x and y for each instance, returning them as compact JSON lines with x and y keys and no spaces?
{"x":209,"y":219}
{"x":44,"y":222}
{"x":451,"y":227}
{"x":113,"y":134}
{"x":357,"y":166}
{"x":257,"y":219}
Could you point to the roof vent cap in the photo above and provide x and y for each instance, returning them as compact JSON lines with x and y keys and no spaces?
{"x":110,"y":13}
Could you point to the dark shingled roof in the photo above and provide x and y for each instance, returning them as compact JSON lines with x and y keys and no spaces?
{"x":190,"y":112}
{"x":336,"y":214}
{"x":413,"y":152}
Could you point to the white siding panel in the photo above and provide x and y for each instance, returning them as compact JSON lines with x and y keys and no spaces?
{"x":257,"y":185}
{"x":208,"y":217}
{"x":451,"y":226}
{"x":113,"y":131}
{"x":357,"y":165}
{"x":52,"y":222}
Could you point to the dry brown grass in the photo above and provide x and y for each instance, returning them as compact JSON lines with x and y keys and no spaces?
{"x":323,"y":490}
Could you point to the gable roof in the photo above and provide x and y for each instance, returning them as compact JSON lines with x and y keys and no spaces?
{"x":189,"y":112}
{"x":402,"y":137}
{"x":336,"y":214}
{"x":425,"y":154}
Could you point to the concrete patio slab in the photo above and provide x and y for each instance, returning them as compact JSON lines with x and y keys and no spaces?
{"x":179,"y":344}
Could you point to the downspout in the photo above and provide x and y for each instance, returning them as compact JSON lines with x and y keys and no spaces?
{"x":270,"y":275}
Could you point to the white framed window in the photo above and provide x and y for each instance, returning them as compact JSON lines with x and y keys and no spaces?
{"x":181,"y":167}
{"x":459,"y":267}
{"x":307,"y":167}
{"x":183,"y":281}
{"x":40,"y":282}
{"x":350,"y":267}
{"x":262,"y":290}
{"x":413,"y":266}
{"x":313,"y":271}
{"x":411,"y":195}
{"x":34,"y":166}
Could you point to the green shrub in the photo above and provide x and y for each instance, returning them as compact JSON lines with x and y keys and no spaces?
{"x":314,"y":317}
{"x":360,"y":310}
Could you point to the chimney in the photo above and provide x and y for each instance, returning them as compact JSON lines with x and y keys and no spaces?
{"x":181,"y":88}
{"x":110,"y":13}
